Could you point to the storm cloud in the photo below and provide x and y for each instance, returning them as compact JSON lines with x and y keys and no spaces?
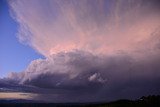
{"x":82,"y":76}
{"x":95,"y":50}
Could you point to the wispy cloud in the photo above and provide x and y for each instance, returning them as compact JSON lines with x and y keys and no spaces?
{"x":99,"y":26}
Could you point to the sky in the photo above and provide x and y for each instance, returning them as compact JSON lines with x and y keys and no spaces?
{"x":13,"y":56}
{"x":79,"y":50}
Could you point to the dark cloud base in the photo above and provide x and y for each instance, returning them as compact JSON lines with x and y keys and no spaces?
{"x":87,"y":77}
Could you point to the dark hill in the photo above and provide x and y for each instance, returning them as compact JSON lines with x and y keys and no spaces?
{"x":149,"y":101}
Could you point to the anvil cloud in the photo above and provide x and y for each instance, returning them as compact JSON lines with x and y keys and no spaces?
{"x":99,"y":26}
{"x":95,"y":50}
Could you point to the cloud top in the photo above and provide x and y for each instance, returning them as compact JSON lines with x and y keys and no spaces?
{"x":98,"y":26}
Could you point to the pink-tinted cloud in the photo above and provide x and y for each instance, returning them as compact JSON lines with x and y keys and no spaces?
{"x":97,"y":26}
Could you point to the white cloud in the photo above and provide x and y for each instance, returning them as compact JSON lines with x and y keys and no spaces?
{"x":96,"y":78}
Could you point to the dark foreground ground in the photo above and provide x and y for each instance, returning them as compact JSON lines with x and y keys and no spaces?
{"x":150,"y":101}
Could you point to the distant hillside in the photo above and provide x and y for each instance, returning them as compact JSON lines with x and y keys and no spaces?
{"x":12,"y":101}
{"x":149,"y":101}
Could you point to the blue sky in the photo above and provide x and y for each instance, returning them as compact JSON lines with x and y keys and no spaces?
{"x":14,"y":56}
